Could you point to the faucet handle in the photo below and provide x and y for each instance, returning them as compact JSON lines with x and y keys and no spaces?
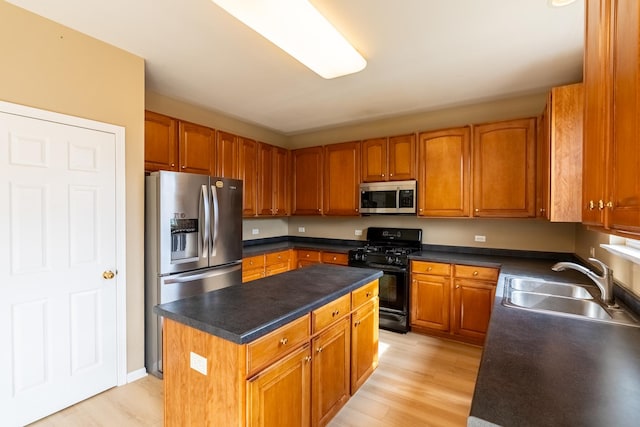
{"x":606,"y":270}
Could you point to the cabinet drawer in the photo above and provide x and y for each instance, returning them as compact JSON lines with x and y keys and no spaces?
{"x":273,"y":269}
{"x":427,"y":267}
{"x":327,"y":314}
{"x":277,"y":257}
{"x":277,"y":343}
{"x":253,"y":262}
{"x":364,"y":294}
{"x":335,"y":258}
{"x":308,"y":255}
{"x":475,"y":272}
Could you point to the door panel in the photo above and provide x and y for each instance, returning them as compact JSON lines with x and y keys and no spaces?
{"x":58,"y":313}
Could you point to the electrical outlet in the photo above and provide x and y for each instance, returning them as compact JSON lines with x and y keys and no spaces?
{"x":480,"y":238}
{"x":198,"y":363}
{"x":358,"y":232}
{"x":592,"y":252}
{"x":255,"y":231}
{"x":301,"y":230}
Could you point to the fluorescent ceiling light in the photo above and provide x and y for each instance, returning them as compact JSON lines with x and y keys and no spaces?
{"x":558,"y":3}
{"x":296,"y":27}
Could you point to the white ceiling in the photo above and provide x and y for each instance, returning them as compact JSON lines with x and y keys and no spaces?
{"x":422,"y":55}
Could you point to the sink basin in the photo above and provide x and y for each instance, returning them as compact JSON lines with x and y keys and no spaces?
{"x":580,"y":307}
{"x":564,"y":299}
{"x":549,"y":288}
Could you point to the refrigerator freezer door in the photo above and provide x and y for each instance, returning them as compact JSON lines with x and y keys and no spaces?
{"x":225,"y":221}
{"x":174,"y":287}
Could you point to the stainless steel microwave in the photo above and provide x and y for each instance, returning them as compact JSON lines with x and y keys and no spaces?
{"x":393,"y":197}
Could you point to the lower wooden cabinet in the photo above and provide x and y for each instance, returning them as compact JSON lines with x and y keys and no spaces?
{"x":454,"y":301}
{"x":259,"y":266}
{"x":281,"y":394}
{"x":364,"y":342}
{"x":307,"y":257}
{"x":334,"y":258}
{"x":330,"y":371}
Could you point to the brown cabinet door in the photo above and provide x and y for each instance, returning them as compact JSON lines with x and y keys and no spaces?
{"x":504,"y":169}
{"x":430,"y":301}
{"x":281,"y":394}
{"x":307,"y":181}
{"x":374,"y":160}
{"x":248,"y":158}
{"x":280,"y":184}
{"x":472,"y":304}
{"x":342,"y":179}
{"x":543,"y":167}
{"x":624,"y":177}
{"x":196,"y":148}
{"x":402,"y":157}
{"x":226,"y":155}
{"x":331,"y":368}
{"x":160,"y":142}
{"x":265,"y":180}
{"x":364,"y":343}
{"x":597,"y":113}
{"x":444,"y":172}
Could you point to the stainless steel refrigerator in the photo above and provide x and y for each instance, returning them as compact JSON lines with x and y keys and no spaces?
{"x":193,"y":244}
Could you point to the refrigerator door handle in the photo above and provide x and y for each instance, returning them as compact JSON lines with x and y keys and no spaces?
{"x":204,"y":200}
{"x":216,"y":220}
{"x":189,"y":277}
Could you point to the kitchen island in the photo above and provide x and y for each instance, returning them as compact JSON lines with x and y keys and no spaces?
{"x":284,"y":350}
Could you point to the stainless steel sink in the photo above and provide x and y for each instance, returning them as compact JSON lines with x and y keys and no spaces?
{"x":550,"y":288}
{"x":572,"y":300}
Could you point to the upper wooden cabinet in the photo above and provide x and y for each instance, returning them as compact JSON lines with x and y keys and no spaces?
{"x":597,"y":110}
{"x":389,"y":159}
{"x":342,"y":178}
{"x":559,"y":175}
{"x":196,"y":148}
{"x":504,"y":160}
{"x":247,"y":161}
{"x":227,"y":163}
{"x":623,"y":198}
{"x":611,"y":187}
{"x":160,"y":142}
{"x":444,"y":172}
{"x":273,"y":183}
{"x":306,"y":168}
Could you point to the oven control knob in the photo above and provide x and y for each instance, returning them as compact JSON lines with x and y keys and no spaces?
{"x":389,"y":260}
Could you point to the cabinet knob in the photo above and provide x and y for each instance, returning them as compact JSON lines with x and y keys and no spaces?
{"x":477,"y":210}
{"x":600,"y":204}
{"x":610,"y":205}
{"x":335,"y":258}
{"x":307,"y":255}
{"x":250,"y":262}
{"x":429,"y":268}
{"x":319,"y":350}
{"x":457,"y":286}
{"x":356,"y":324}
{"x":184,"y":167}
{"x":382,"y":175}
{"x":420,"y":209}
{"x":390,"y":174}
{"x":307,"y":359}
{"x":279,"y":256}
{"x":356,"y":209}
{"x":284,"y":341}
{"x":475,"y":273}
{"x":592,"y":205}
{"x":368,"y":294}
{"x":173,"y":165}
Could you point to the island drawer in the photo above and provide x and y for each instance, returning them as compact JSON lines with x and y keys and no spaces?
{"x":364,"y":294}
{"x":427,"y":267}
{"x":277,"y":343}
{"x":328,"y":313}
{"x":475,"y":272}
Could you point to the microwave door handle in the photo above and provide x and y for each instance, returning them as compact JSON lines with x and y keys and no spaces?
{"x":204,"y":203}
{"x":397,"y":199}
{"x":216,"y":220}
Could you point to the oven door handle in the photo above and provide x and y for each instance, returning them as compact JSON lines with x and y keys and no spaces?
{"x":387,"y":267}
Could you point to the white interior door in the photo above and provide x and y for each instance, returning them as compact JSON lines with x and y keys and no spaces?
{"x":58,"y":323}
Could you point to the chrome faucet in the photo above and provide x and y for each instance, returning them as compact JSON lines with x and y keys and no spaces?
{"x":604,"y":282}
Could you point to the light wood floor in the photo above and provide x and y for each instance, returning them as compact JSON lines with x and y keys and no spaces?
{"x":421,"y":381}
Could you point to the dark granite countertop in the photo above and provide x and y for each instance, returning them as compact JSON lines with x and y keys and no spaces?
{"x":243,"y":313}
{"x":281,"y":246}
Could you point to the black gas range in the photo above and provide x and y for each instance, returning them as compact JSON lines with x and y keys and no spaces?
{"x":387,"y":249}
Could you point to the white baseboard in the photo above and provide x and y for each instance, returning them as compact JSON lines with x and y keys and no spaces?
{"x":136,"y":375}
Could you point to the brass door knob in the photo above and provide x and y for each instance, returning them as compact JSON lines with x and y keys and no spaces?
{"x":108,"y":275}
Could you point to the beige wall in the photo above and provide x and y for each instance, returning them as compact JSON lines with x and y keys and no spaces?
{"x":625,"y":272}
{"x":267,"y":227}
{"x":524,"y":106}
{"x":519,"y":234}
{"x":48,"y":66}
{"x":202,"y":116}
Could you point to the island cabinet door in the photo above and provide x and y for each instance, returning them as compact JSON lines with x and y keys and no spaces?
{"x":280,"y":396}
{"x":330,"y":373}
{"x":364,"y":343}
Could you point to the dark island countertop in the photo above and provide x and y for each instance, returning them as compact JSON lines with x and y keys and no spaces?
{"x":244,"y":312}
